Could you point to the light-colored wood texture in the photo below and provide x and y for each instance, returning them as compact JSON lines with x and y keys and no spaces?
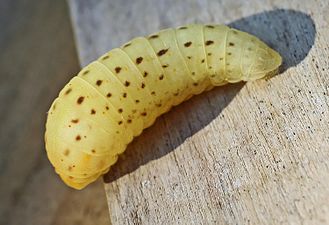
{"x":38,"y":57}
{"x":254,"y":153}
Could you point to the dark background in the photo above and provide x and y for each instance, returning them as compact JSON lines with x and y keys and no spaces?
{"x":37,"y":58}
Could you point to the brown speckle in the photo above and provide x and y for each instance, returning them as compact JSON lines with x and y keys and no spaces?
{"x":99,"y":82}
{"x":193,"y":73}
{"x":75,"y":121}
{"x":161,"y":77}
{"x":220,"y":59}
{"x":93,"y":151}
{"x":105,"y":57}
{"x":229,"y":53}
{"x":127,"y":83}
{"x":92,"y":111}
{"x":153,"y":36}
{"x":145,"y":74}
{"x":124,"y":95}
{"x":209,"y":53}
{"x":143,"y":85}
{"x":189,"y":57}
{"x":195,"y":84}
{"x":139,"y":60}
{"x":153,"y":93}
{"x":68,"y":91}
{"x":188,"y":44}
{"x":120,"y":122}
{"x":210,"y":26}
{"x":80,"y":99}
{"x":126,"y":45}
{"x":209,"y":42}
{"x":165,"y":66}
{"x":143,"y":113}
{"x":78,"y":138}
{"x":162,"y":52}
{"x":69,"y":168}
{"x":120,"y":110}
{"x":85,"y":72}
{"x":66,"y":152}
{"x":108,"y":95}
{"x":231,"y":44}
{"x":202,"y":61}
{"x":117,"y":69}
{"x":137,"y":101}
{"x":129,"y":121}
{"x":182,"y":28}
{"x":107,"y":108}
{"x":158,"y":105}
{"x":176,"y":94}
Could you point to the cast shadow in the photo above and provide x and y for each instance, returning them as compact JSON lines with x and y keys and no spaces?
{"x":290,"y":32}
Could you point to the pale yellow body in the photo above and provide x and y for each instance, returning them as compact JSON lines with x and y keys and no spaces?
{"x":114,"y":98}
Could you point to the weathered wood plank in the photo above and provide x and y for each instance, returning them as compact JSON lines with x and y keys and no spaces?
{"x":254,"y":153}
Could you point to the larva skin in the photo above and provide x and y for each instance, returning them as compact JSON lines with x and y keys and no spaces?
{"x":117,"y":96}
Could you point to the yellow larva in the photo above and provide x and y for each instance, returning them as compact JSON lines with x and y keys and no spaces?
{"x":114,"y":98}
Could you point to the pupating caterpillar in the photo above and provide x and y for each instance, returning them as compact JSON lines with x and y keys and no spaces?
{"x":115,"y":97}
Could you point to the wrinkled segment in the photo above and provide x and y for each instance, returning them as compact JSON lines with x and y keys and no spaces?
{"x":100,"y":111}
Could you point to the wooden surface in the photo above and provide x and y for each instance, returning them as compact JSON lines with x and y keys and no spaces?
{"x":37,"y":58}
{"x":255,"y":153}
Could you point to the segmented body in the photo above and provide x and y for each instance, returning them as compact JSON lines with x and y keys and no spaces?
{"x":117,"y":96}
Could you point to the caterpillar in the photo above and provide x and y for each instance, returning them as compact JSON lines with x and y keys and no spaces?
{"x":114,"y":98}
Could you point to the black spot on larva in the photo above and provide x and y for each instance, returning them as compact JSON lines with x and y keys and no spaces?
{"x":66,"y":152}
{"x":161,"y":77}
{"x":68,"y":91}
{"x":210,"y":26}
{"x":202,"y":61}
{"x":120,"y":110}
{"x":188,"y":44}
{"x":209,"y":42}
{"x":195,"y":84}
{"x":145,"y":74}
{"x":80,"y":99}
{"x":92,"y":111}
{"x":193,"y":73}
{"x":153,"y":36}
{"x":165,"y":66}
{"x":143,"y":85}
{"x":189,"y":57}
{"x":229,"y":53}
{"x":99,"y":82}
{"x":108,"y":95}
{"x":209,"y":53}
{"x":210,"y":67}
{"x":231,"y":44}
{"x":127,"y":83}
{"x":126,"y":45}
{"x":75,"y":121}
{"x":212,"y":75}
{"x":143,"y":113}
{"x":124,"y":95}
{"x":78,"y":138}
{"x":85,"y":72}
{"x":162,"y":52}
{"x":93,"y":151}
{"x":117,"y":69}
{"x":107,"y":108}
{"x":182,"y":28}
{"x":139,"y":60}
{"x":153,"y":93}
{"x":120,"y":122}
{"x":105,"y":57}
{"x":54,"y":106}
{"x":220,"y":59}
{"x":129,"y":121}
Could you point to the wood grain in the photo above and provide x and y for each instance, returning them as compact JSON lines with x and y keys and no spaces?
{"x":254,"y":153}
{"x":37,"y":58}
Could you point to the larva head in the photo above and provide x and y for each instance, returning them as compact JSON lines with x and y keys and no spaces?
{"x":252,"y":59}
